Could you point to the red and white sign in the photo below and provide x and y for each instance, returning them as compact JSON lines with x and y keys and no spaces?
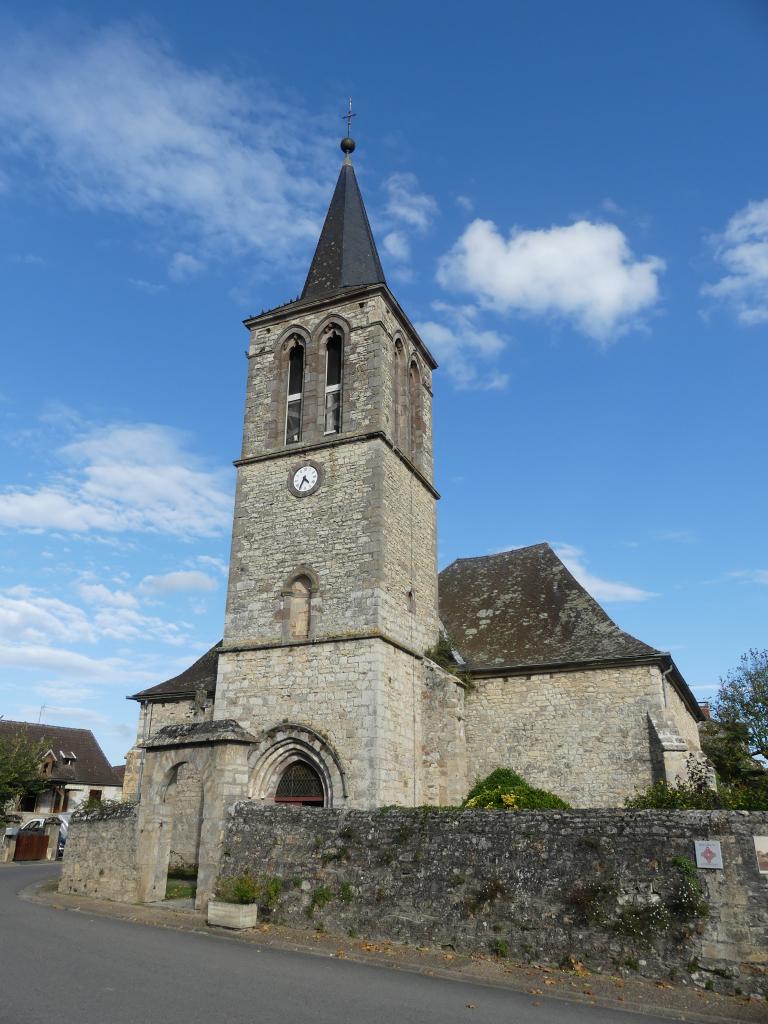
{"x":708,"y":853}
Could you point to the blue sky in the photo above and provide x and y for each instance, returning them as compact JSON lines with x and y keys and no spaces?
{"x":570,"y":201}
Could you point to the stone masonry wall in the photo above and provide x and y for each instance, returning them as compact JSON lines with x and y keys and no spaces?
{"x":100,"y":857}
{"x":615,"y":890}
{"x":582,"y":735}
{"x":334,"y":532}
{"x":443,"y":738}
{"x":153,"y":716}
{"x":368,"y":700}
{"x":368,"y":534}
{"x":370,"y":327}
{"x":185,"y":800}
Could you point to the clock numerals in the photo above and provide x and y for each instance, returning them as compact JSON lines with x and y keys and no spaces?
{"x":305,"y":479}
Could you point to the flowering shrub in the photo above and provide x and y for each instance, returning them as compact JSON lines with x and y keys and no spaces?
{"x":504,"y":789}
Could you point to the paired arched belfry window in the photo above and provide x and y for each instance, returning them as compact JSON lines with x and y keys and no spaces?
{"x":414,"y":398}
{"x":398,"y":393}
{"x":333,"y":351}
{"x":295,"y":394}
{"x":299,"y":600}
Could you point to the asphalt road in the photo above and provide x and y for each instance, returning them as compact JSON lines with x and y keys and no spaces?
{"x":58,"y":967}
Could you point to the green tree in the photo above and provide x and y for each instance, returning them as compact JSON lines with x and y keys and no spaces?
{"x":742,"y":700}
{"x":20,"y":773}
{"x":726,"y":745}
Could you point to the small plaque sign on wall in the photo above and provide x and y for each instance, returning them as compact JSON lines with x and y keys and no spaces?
{"x":708,"y":853}
{"x":761,"y":852}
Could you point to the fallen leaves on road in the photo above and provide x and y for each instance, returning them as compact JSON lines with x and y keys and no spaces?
{"x":535,"y":992}
{"x":471,"y":1006}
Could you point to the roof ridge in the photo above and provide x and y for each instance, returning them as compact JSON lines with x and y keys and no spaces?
{"x":47,"y":725}
{"x":506,"y":551}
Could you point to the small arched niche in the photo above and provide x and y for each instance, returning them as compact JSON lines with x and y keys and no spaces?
{"x":299,"y":608}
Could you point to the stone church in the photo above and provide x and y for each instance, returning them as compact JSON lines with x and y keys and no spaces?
{"x":322,"y":690}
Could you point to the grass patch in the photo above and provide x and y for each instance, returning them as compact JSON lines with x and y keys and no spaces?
{"x":180,"y":889}
{"x":320,"y":897}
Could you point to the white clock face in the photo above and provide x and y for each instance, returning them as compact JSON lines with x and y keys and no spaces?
{"x":305,"y":479}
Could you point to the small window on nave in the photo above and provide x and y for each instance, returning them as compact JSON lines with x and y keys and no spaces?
{"x":299,"y":600}
{"x":295,"y":394}
{"x":333,"y":384}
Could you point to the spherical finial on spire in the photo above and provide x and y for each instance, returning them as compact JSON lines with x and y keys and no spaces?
{"x":348,"y":143}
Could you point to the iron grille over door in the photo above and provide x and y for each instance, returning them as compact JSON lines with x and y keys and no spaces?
{"x":300,"y":784}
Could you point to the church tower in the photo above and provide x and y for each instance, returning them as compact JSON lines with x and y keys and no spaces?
{"x":332,"y":597}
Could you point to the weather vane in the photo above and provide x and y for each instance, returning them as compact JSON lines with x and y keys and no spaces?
{"x":348,"y":118}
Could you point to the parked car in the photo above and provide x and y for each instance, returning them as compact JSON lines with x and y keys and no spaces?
{"x":38,"y":824}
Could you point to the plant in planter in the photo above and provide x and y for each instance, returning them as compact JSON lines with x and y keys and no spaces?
{"x":235,"y":902}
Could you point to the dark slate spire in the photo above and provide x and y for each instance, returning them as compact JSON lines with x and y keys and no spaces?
{"x":346,"y":254}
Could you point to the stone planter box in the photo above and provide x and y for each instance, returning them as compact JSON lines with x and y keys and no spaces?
{"x":232,"y":915}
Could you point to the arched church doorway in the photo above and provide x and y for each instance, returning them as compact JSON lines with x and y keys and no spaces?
{"x":300,"y":784}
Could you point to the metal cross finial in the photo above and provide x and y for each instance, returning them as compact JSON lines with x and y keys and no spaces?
{"x":348,"y":117}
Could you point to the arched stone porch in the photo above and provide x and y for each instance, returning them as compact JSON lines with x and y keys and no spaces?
{"x":217,"y":752}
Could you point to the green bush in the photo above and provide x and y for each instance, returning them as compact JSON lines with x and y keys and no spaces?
{"x":504,"y":789}
{"x":238,"y":889}
{"x":687,"y":797}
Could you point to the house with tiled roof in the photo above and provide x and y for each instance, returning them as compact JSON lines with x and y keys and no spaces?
{"x":73,"y":762}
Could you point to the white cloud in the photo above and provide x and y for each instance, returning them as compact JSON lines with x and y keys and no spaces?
{"x":397,"y":246}
{"x":69,"y":663}
{"x":97,"y":593}
{"x":183,"y":266}
{"x":583,"y":272}
{"x":743,"y":251}
{"x":29,"y":259}
{"x":465,"y":203}
{"x":600,"y":589}
{"x":676,"y":536}
{"x":216,"y":563}
{"x":407,"y":204}
{"x":463,"y":348}
{"x":611,"y":206}
{"x":65,"y":691}
{"x":30,"y":618}
{"x":124,"y":478}
{"x":146,"y":286}
{"x":750,"y":575}
{"x":54,"y":713}
{"x":127,"y":624}
{"x":175,"y":582}
{"x":115,"y":121}
{"x":408,"y":211}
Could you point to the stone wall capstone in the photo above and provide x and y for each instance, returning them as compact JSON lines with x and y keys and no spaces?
{"x":615,"y":890}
